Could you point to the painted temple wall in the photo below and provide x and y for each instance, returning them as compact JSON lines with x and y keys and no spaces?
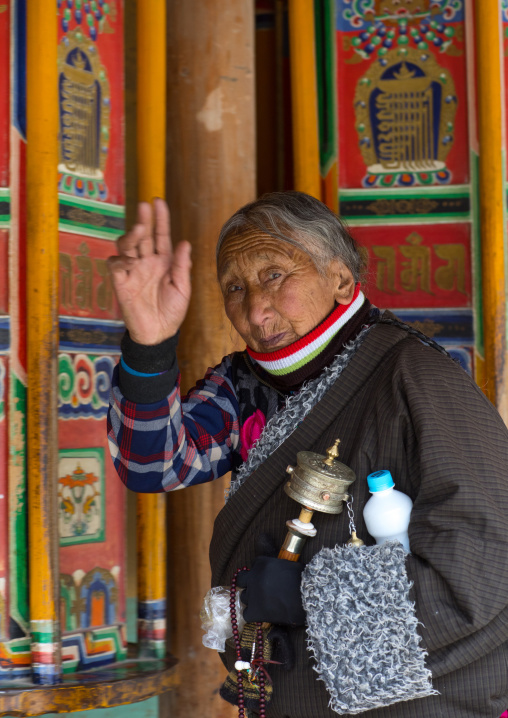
{"x":92,"y":503}
{"x":408,"y":162}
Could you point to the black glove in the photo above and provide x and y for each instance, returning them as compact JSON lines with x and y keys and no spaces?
{"x":272,"y":591}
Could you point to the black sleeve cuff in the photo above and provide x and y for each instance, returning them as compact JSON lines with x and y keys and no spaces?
{"x":148,"y":360}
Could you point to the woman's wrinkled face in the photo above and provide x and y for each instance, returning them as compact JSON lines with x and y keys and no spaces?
{"x":273,"y":292}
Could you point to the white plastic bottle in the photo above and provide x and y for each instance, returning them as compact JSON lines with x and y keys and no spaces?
{"x":387,"y":512}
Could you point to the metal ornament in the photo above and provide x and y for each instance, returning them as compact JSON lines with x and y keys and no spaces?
{"x":354,"y":540}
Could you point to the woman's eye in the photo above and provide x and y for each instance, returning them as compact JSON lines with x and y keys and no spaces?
{"x":274,"y":275}
{"x":234,"y":288}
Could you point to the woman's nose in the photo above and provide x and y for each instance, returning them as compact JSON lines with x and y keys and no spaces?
{"x":258,"y":307}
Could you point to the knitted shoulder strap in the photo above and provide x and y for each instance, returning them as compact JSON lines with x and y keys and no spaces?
{"x":393,"y":321}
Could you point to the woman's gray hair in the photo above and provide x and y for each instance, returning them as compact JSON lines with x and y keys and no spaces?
{"x":300,"y":220}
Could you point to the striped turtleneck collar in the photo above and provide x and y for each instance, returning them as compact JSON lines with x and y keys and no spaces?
{"x":292,"y":365}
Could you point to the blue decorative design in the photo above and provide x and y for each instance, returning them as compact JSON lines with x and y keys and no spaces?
{"x":351,"y":14}
{"x":84,"y":383}
{"x":449,"y":326}
{"x":97,"y":584}
{"x":19,"y":84}
{"x":86,"y":661}
{"x":431,"y":151}
{"x":152,"y":610}
{"x":5,"y":331}
{"x":90,"y":335}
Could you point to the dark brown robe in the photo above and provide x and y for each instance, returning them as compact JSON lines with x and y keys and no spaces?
{"x":402,"y":406}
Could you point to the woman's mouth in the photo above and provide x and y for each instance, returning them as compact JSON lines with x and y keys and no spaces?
{"x":273,"y":341}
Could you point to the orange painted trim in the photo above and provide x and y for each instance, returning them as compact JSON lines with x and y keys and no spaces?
{"x":42,"y":317}
{"x":151,"y":547}
{"x":302,"y":57}
{"x":330,"y":189}
{"x":151,"y":98}
{"x":151,"y":162}
{"x":492,"y":200}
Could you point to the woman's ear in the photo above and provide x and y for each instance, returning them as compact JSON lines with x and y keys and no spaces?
{"x":345,"y":283}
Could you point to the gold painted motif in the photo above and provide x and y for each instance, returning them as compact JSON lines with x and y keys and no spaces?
{"x":386,"y":269}
{"x":105,"y":288}
{"x":394,"y":10}
{"x":416,"y":269}
{"x":452,"y":275}
{"x":84,"y":107}
{"x":415,"y":273}
{"x":422,"y":205}
{"x":428,"y":327}
{"x":66,"y":280}
{"x":405,"y":110}
{"x":87,"y":336}
{"x":84,"y":284}
{"x":82,"y":216}
{"x":88,"y":287}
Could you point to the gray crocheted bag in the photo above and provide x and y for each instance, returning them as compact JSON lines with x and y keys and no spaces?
{"x":362,"y":627}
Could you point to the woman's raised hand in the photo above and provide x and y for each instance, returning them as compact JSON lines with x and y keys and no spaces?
{"x":151,"y":282}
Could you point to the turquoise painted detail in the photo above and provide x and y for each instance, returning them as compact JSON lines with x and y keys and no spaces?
{"x":131,"y":616}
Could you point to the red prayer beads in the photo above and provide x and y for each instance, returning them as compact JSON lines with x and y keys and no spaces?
{"x":258,"y":656}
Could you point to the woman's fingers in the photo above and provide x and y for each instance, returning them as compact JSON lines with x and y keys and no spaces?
{"x":162,"y":231}
{"x":180,"y":269}
{"x":144,"y":215}
{"x":150,"y":234}
{"x":145,"y":220}
{"x":119,"y":267}
{"x":128,"y":244}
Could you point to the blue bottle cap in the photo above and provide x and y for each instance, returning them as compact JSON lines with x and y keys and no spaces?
{"x":380,"y":480}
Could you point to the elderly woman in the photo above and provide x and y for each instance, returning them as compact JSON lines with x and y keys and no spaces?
{"x":388,"y":634}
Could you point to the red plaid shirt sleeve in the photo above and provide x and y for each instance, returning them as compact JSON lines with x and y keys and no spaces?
{"x":178,"y":441}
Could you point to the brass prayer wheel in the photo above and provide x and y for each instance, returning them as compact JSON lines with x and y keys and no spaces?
{"x":320,"y":482}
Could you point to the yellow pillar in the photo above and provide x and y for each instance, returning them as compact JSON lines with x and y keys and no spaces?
{"x":151,"y":163}
{"x":492,"y":198}
{"x":42,"y":336}
{"x":302,"y":55}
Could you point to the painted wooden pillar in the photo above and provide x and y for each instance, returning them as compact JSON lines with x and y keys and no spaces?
{"x":211,"y":152}
{"x":492,"y":193}
{"x":42,"y":336}
{"x":151,"y":159}
{"x":302,"y":49}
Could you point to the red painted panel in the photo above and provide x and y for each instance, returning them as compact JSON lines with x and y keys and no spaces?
{"x":390,"y":90}
{"x":100,"y":38}
{"x":85,"y":284}
{"x":4,"y":92}
{"x":85,"y":433}
{"x":418,"y":266}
